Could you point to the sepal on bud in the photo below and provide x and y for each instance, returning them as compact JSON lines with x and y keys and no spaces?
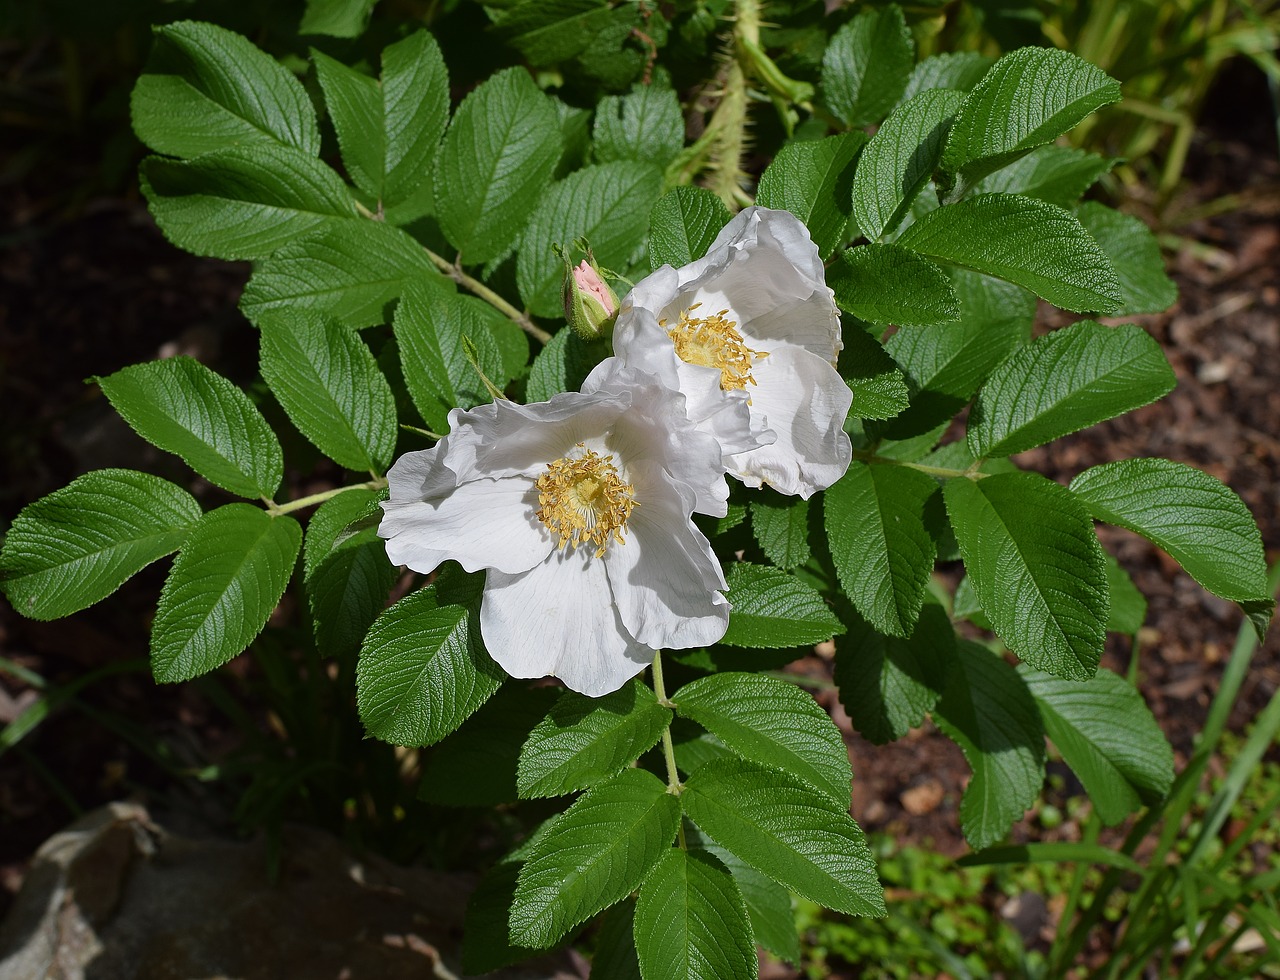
{"x":590,"y":306}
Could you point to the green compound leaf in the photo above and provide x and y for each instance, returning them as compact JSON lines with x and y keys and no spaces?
{"x":497,"y":157}
{"x":562,"y":365}
{"x":76,"y":546}
{"x":1109,"y":738}
{"x":336,"y":18}
{"x":890,"y":284}
{"x":182,"y":407}
{"x":794,"y":834}
{"x":900,"y":159}
{"x":646,"y":124}
{"x":691,"y":921}
{"x":243,"y":202}
{"x":879,"y":389}
{"x":550,"y":31}
{"x":389,"y":130}
{"x":988,"y":711}
{"x":583,"y":740}
{"x":486,"y":943}
{"x":888,"y":684}
{"x":596,"y":852}
{"x":207,"y":88}
{"x":1066,"y":381}
{"x":329,"y":385}
{"x":774,"y":723}
{"x":946,"y":363}
{"x":882,"y":551}
{"x":812,"y":180}
{"x":960,"y":70}
{"x":1036,"y":567}
{"x":1193,"y":516}
{"x":1037,"y":245}
{"x":866,"y":66}
{"x":1135,"y":255}
{"x":772,"y":609}
{"x":352,"y":273}
{"x":1028,"y":98}
{"x":476,"y":765}
{"x":224,"y":583}
{"x":423,"y":670}
{"x":1128,"y":605}
{"x":347,"y":575}
{"x":683,"y":224}
{"x":781,"y":526}
{"x":430,"y":324}
{"x":606,"y":204}
{"x":768,"y":903}
{"x":1057,"y":174}
{"x":615,"y":955}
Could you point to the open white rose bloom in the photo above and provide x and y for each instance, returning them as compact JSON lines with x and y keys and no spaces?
{"x":750,"y":335}
{"x":579,"y":508}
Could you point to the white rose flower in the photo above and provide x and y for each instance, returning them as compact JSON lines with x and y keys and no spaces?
{"x":751,"y":324}
{"x":579,"y":508}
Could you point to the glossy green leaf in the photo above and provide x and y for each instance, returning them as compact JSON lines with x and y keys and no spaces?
{"x":430,"y":324}
{"x":867,"y":64}
{"x":812,"y":179}
{"x":206,"y":88}
{"x":959,"y":70}
{"x":888,"y":684}
{"x":1036,"y":567}
{"x":882,"y":551}
{"x":691,"y":921}
{"x":774,"y":609}
{"x":791,"y":832}
{"x":595,"y":853}
{"x":476,"y":765}
{"x":497,"y":157}
{"x":562,"y":365}
{"x":1193,"y":516}
{"x":243,"y":202}
{"x":771,"y":722}
{"x":486,"y":942}
{"x":1028,"y":98}
{"x":1057,"y":174}
{"x":389,"y":129}
{"x":347,"y":575}
{"x":337,"y":18}
{"x":423,"y":670}
{"x":1109,"y":738}
{"x":615,"y":955}
{"x":1037,"y":245}
{"x":900,"y":159}
{"x":1066,"y":381}
{"x":224,"y":584}
{"x":879,"y":389}
{"x":683,"y":224}
{"x":182,"y":407}
{"x":76,"y":546}
{"x":988,"y":711}
{"x":583,"y":740}
{"x":891,"y":284}
{"x":1128,"y":605}
{"x":646,"y":124}
{"x":353,"y":274}
{"x":606,"y":204}
{"x":1135,"y":254}
{"x":329,"y":385}
{"x":550,"y":31}
{"x":768,"y":903}
{"x":781,"y":526}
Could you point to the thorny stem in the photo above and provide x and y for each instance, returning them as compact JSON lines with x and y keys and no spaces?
{"x":454,"y":271}
{"x":275,"y":510}
{"x":674,"y":786}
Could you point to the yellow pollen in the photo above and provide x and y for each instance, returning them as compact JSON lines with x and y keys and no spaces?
{"x":715,"y":342}
{"x":581,"y":498}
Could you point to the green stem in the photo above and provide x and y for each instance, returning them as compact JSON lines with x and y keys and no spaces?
{"x":674,"y":786}
{"x":275,"y":510}
{"x":454,"y":271}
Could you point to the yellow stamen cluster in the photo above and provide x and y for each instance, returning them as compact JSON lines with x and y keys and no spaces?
{"x":714,"y":341}
{"x":581,"y":498}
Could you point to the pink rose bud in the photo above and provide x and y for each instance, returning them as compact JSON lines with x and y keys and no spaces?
{"x":590,"y":306}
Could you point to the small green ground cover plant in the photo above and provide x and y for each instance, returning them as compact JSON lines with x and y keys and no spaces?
{"x":610,"y":427}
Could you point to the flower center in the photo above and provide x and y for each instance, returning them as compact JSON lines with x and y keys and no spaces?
{"x":581,"y":498}
{"x":714,"y":341}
